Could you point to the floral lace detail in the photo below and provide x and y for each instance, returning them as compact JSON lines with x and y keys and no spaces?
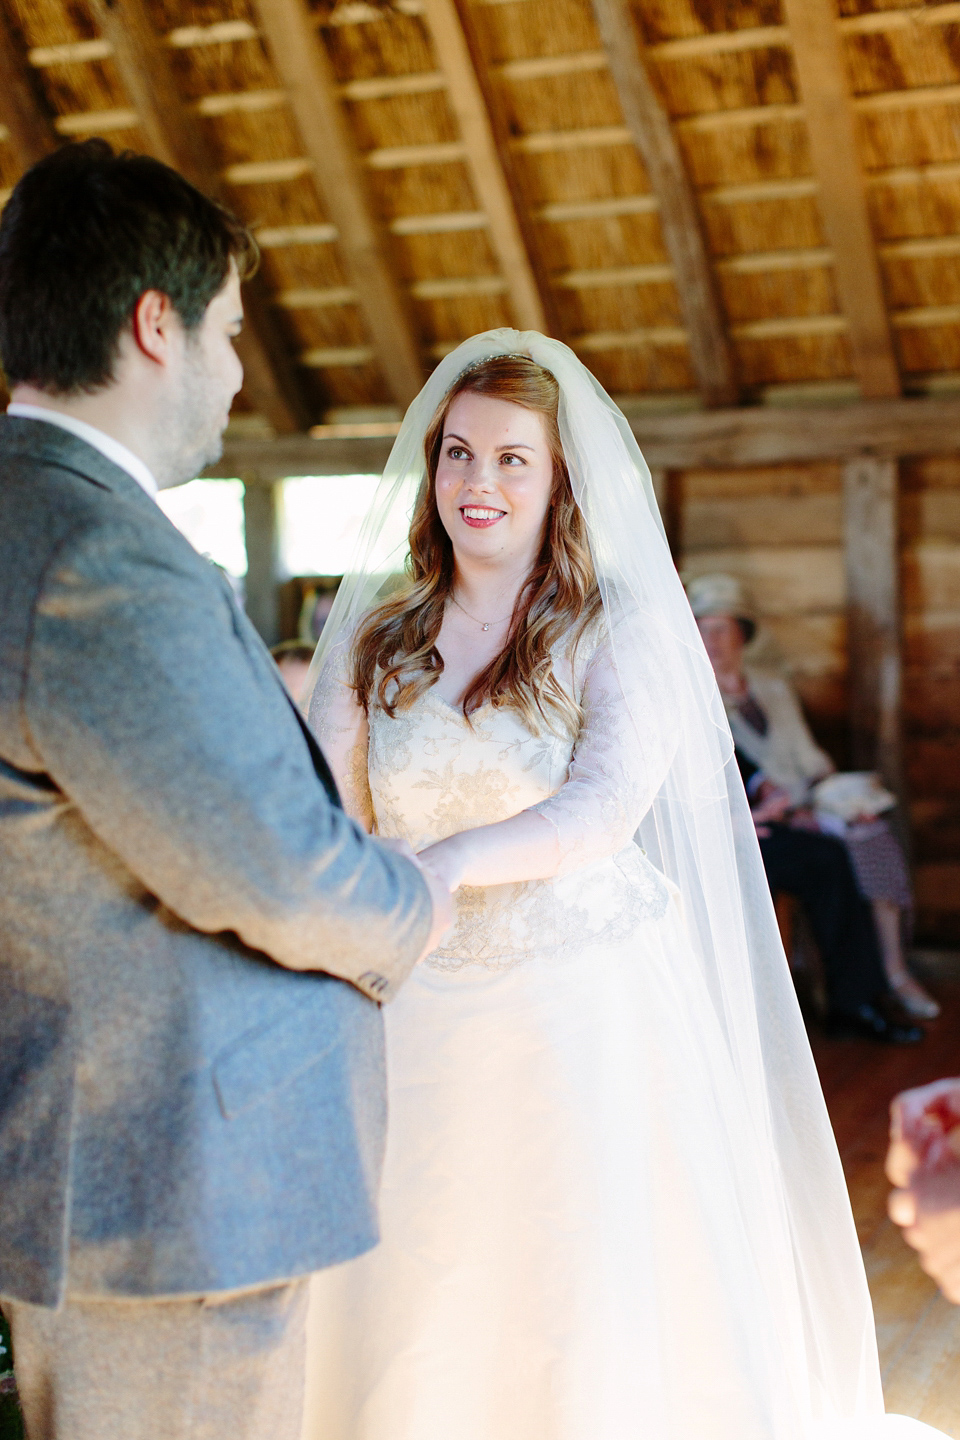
{"x":432,"y":774}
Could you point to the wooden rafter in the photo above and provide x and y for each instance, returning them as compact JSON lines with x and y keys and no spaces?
{"x":671,"y":440}
{"x":30,"y":128}
{"x":174,"y":137}
{"x":842,"y":196}
{"x":683,"y":235}
{"x":307,"y":75}
{"x":484,"y":161}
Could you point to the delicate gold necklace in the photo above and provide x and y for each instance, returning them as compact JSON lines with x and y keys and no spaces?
{"x":484,"y":624}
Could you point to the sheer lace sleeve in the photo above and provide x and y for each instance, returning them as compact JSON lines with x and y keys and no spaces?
{"x":340,"y":726}
{"x":619,"y":762}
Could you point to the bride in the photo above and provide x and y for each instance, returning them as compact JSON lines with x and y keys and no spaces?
{"x":612,"y":1208}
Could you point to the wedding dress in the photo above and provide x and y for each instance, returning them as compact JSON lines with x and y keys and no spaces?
{"x":611,"y":1208}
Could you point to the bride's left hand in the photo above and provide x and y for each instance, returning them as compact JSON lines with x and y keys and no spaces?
{"x":447,"y":859}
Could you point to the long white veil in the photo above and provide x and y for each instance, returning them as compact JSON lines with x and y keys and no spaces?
{"x":700,"y":834}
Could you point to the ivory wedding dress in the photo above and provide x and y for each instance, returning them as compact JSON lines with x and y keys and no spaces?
{"x":574,"y":1201}
{"x":612,"y":1206}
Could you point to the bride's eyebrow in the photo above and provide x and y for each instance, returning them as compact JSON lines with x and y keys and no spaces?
{"x":452,"y":435}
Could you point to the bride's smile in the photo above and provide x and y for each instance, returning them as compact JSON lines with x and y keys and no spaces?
{"x":477,"y":516}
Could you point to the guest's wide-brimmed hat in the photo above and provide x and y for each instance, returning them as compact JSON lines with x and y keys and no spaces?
{"x":720,"y":594}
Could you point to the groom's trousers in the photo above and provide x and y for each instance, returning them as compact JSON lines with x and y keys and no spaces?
{"x":227,"y":1367}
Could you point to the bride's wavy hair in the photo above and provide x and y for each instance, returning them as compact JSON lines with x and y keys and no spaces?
{"x":395,"y":655}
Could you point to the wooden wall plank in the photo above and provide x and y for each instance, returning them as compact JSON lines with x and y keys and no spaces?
{"x":173,"y":136}
{"x":842,"y":194}
{"x":683,"y":234}
{"x":761,"y":520}
{"x":307,"y":74}
{"x":931,"y":577}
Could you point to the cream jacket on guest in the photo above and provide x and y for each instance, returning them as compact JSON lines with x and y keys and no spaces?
{"x":788,"y":755}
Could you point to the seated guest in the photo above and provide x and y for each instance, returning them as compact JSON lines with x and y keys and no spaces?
{"x":769,"y":728}
{"x":817,"y":870}
{"x":923,"y":1162}
{"x":292,"y":658}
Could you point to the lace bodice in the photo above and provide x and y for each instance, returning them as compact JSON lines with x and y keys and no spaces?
{"x":428,"y":773}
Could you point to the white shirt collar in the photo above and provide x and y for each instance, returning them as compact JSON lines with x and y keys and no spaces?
{"x":106,"y":444}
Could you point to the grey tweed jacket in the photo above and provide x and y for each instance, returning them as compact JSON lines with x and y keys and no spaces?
{"x":192,"y":933}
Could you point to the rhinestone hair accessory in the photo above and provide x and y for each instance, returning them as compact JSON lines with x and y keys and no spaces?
{"x":507,"y":355}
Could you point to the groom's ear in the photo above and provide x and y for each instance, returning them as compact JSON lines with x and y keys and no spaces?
{"x":155,"y":324}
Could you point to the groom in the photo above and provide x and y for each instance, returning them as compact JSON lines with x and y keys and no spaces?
{"x":193,"y":936}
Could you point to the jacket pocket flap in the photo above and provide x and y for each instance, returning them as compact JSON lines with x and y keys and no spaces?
{"x":261,"y":1060}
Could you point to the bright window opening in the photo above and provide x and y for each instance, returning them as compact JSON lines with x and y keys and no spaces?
{"x":210,"y":514}
{"x":320,"y":521}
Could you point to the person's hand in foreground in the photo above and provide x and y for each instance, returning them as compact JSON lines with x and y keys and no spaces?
{"x":923,"y":1163}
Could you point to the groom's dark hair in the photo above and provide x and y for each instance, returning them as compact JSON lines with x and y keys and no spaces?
{"x":85,"y":233}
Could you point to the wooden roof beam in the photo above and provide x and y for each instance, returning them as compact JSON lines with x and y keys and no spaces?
{"x":306,"y":73}
{"x":674,"y":440}
{"x":831,"y":125}
{"x":710,"y":348}
{"x":484,"y":162}
{"x":174,"y":137}
{"x":29,"y":127}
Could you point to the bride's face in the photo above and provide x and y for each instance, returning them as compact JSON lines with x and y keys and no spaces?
{"x":494,"y":479}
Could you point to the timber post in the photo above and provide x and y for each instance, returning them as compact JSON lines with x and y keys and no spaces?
{"x":261,"y":505}
{"x":871,"y":549}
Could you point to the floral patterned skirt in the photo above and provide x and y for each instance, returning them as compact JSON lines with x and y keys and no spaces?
{"x":879,"y":863}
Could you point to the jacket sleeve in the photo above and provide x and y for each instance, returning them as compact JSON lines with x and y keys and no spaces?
{"x":168,"y":730}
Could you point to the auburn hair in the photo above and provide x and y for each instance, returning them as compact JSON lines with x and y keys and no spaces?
{"x":395,"y":658}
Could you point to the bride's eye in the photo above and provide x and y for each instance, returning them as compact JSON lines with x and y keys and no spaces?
{"x":510,"y":459}
{"x":456,"y":452}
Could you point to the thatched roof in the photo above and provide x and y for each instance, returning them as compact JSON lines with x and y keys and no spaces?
{"x":584,"y":221}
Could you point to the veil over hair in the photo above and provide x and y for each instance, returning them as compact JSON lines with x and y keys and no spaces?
{"x":699,"y":833}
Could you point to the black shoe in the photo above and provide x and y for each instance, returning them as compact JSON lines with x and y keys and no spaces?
{"x":868,"y":1023}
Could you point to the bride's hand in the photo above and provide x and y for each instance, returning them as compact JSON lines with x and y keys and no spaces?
{"x":440,"y":893}
{"x":447,"y":859}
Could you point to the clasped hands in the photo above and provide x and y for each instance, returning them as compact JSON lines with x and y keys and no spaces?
{"x":771,"y":805}
{"x":438,"y":884}
{"x":923,"y":1163}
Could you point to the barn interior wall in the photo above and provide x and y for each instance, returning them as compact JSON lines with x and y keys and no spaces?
{"x":779,"y":529}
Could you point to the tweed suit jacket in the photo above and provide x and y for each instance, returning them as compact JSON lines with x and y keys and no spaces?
{"x":193,"y":935}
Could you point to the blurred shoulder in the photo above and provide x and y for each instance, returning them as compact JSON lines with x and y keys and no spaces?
{"x":771,"y":686}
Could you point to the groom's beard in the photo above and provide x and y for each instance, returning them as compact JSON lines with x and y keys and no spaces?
{"x":191,"y":430}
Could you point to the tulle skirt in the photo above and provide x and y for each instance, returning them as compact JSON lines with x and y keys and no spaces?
{"x":580,"y":1237}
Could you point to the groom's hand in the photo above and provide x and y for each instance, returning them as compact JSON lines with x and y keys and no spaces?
{"x":442,"y":911}
{"x":440,"y":896}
